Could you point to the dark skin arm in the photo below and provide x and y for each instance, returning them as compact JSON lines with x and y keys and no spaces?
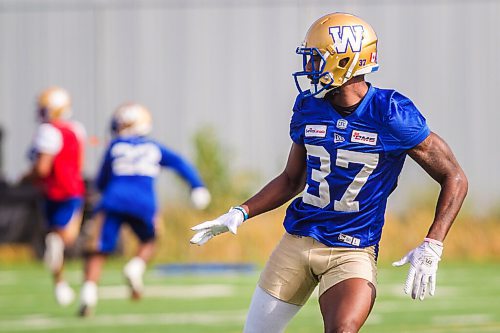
{"x":41,"y":168}
{"x":282,"y":188}
{"x":437,"y":159}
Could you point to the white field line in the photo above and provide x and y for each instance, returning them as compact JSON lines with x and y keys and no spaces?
{"x":172,"y":291}
{"x":431,"y":304}
{"x":41,"y":322}
{"x":7,"y":277}
{"x":492,"y":328}
{"x":398,"y":290}
{"x":464,"y":319}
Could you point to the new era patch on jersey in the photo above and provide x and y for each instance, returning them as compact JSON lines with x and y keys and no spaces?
{"x":315,"y":131}
{"x":366,"y":138}
{"x":338,"y":138}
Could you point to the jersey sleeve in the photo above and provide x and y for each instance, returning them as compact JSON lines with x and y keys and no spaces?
{"x":182,"y":167}
{"x":47,"y":140}
{"x":296,"y":123}
{"x":406,"y":126}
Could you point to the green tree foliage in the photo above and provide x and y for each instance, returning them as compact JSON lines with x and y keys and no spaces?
{"x":214,"y":165}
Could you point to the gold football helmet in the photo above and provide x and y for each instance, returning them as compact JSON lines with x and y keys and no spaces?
{"x":54,"y":103}
{"x":337,"y":47}
{"x":131,"y":119}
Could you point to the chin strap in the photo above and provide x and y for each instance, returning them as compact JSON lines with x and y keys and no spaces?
{"x":348,"y":75}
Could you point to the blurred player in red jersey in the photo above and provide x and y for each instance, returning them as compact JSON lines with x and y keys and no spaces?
{"x":57,"y":153}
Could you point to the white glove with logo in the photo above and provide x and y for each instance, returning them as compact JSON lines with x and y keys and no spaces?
{"x":423,"y":262}
{"x":200,"y":197}
{"x":227,"y":222}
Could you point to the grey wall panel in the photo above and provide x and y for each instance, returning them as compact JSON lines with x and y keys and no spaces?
{"x":228,"y":64}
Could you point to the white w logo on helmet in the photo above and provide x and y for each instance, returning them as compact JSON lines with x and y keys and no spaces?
{"x":347,"y":35}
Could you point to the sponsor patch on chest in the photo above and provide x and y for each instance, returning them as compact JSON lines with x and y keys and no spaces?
{"x":315,"y":131}
{"x":338,"y":138}
{"x":366,"y":138}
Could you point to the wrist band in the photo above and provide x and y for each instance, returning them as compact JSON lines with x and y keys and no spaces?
{"x":243,"y":211}
{"x":433,"y":241}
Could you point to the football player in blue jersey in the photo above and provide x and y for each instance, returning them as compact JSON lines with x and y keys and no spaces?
{"x":350,"y":140}
{"x":126,"y":181}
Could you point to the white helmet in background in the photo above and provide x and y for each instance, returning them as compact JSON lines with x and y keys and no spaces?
{"x":54,"y":103}
{"x":131,"y":119}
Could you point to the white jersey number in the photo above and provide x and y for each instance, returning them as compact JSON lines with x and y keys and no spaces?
{"x":139,"y":160}
{"x":347,"y":203}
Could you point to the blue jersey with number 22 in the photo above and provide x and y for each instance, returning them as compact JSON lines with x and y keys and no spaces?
{"x":130,"y":167}
{"x":352,"y":165}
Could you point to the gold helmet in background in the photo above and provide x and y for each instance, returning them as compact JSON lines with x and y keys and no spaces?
{"x":131,"y":119}
{"x":54,"y":103}
{"x":337,"y":47}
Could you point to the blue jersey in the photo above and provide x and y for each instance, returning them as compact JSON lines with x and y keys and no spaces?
{"x":353,"y":164}
{"x":127,"y":175}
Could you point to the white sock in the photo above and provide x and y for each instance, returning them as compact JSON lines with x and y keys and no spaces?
{"x":88,"y":294}
{"x":268,"y":314}
{"x":135,"y":266}
{"x":64,"y":294}
{"x":54,"y":251}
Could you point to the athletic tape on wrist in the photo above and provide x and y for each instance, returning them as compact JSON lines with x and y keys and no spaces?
{"x":243,"y":211}
{"x":433,"y":241}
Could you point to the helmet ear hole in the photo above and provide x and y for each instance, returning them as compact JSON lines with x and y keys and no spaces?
{"x":343,"y":62}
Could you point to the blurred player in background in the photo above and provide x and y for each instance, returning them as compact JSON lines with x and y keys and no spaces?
{"x":126,"y":181}
{"x":57,"y":154}
{"x":350,"y":141}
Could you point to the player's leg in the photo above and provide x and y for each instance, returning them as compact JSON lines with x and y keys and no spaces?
{"x":285,"y":285}
{"x":70,"y":232}
{"x":103,"y":234}
{"x":88,"y":294}
{"x":64,"y":219}
{"x":145,"y":230}
{"x":268,"y":314}
{"x":347,"y":288}
{"x":54,"y":253}
{"x":346,"y":306}
{"x":135,"y":268}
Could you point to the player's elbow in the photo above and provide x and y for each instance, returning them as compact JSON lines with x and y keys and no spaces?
{"x":41,"y":171}
{"x":462,"y":182}
{"x":295,"y":184}
{"x":458,"y":180}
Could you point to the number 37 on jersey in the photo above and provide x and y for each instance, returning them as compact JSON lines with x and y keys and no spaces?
{"x":323,"y":177}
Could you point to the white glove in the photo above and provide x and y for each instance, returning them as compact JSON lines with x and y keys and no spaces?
{"x":227,"y":222}
{"x":423,"y":262}
{"x":200,"y":197}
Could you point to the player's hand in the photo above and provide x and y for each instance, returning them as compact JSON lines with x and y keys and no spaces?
{"x":423,"y":262}
{"x":227,"y":222}
{"x":200,"y":197}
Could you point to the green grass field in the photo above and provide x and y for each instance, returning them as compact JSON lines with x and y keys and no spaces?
{"x":467,"y":300}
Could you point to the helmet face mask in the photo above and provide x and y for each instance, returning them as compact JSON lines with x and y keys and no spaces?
{"x":316,"y":74}
{"x":345,"y":46}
